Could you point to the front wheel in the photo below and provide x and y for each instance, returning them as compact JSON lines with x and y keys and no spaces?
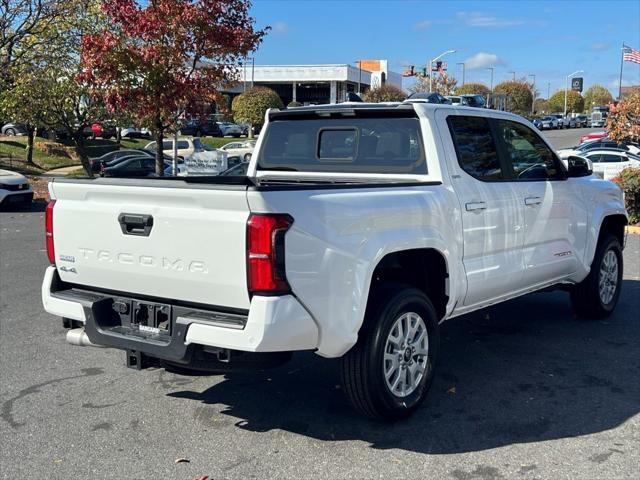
{"x":388,"y":373}
{"x":597,"y":295}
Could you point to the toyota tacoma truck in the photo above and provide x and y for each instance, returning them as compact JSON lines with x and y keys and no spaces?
{"x":358,"y":229}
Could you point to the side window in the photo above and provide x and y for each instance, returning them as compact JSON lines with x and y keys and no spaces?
{"x":134,"y":165}
{"x":612,"y":158}
{"x":167,"y":145}
{"x":475,"y":148}
{"x":182,"y":145}
{"x":529,"y":156}
{"x":594,"y":157}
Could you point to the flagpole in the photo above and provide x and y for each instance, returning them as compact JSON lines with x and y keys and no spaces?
{"x":621,"y":65}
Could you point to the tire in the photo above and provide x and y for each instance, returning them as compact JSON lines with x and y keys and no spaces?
{"x":587,"y":299}
{"x":10,"y":132}
{"x":364,"y":366}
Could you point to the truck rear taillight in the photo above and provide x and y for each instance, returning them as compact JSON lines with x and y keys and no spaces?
{"x":48,"y":228}
{"x":265,"y":254}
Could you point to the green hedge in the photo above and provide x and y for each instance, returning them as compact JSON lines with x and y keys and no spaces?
{"x":629,"y":182}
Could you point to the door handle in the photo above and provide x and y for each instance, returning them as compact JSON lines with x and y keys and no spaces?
{"x":473,"y":206}
{"x":532,"y":200}
{"x":135,"y":224}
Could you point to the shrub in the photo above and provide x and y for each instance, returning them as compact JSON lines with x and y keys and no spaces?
{"x":518,"y":94}
{"x":473,"y":88}
{"x":629,"y":182}
{"x":623,"y":123}
{"x":294,"y":104}
{"x":385,"y":93}
{"x":251,"y":106}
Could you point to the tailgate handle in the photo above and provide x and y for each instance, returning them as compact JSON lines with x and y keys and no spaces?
{"x":135,"y":224}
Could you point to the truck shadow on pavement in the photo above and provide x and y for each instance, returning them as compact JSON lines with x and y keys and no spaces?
{"x":523,"y":371}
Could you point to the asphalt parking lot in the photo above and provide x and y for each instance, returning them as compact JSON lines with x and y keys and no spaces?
{"x":523,"y":390}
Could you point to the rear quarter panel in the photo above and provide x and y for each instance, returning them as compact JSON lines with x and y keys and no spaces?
{"x":339,"y":236}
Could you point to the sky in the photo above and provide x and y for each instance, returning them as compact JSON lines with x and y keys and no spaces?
{"x":550,"y":39}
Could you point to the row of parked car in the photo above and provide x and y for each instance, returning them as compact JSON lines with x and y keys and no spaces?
{"x":608,"y":157}
{"x":231,"y":159}
{"x":559,"y":121}
{"x":198,"y":128}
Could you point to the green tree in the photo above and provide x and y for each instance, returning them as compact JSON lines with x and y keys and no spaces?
{"x":384,"y":93}
{"x":597,"y":95}
{"x":16,"y":103}
{"x":251,"y":106}
{"x":473,"y":89}
{"x":575,"y":102}
{"x":43,"y":87}
{"x":519,"y":96}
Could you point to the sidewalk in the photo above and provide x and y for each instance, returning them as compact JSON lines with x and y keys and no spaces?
{"x":61,"y":172}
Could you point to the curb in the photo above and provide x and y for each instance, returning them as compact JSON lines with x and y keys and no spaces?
{"x":633,"y":230}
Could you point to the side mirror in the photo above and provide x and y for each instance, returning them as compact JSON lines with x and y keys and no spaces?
{"x":579,"y":166}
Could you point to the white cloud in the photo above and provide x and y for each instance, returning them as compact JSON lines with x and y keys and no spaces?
{"x":479,"y":19}
{"x":482,"y":59}
{"x":281,"y":27}
{"x":423,"y":24}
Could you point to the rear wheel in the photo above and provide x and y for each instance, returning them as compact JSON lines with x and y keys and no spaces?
{"x":597,"y":295}
{"x":388,"y":373}
{"x":10,"y":132}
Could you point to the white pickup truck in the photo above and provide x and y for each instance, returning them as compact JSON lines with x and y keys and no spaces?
{"x":358,"y":229}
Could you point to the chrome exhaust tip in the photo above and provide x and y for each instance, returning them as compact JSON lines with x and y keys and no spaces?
{"x":77,"y":336}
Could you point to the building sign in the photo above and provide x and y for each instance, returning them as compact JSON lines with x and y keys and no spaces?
{"x":576,"y":84}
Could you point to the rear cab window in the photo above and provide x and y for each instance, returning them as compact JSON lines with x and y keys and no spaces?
{"x":346,"y":144}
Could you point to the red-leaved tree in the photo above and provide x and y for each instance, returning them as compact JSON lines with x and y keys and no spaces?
{"x":163,"y":56}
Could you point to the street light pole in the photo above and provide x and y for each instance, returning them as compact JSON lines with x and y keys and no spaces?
{"x":435,"y":60}
{"x":514,"y":76}
{"x":359,"y":62}
{"x":548,"y":90}
{"x":566,"y":87}
{"x":463,"y":66}
{"x":533,"y":93}
{"x":490,"y":86}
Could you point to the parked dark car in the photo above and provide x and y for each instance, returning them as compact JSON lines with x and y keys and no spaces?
{"x":14,"y":129}
{"x":582,"y":121}
{"x":96,"y":163}
{"x":201,"y":128}
{"x":141,"y":166}
{"x":428,"y":98}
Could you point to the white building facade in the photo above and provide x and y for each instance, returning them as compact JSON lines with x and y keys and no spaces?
{"x":317,"y":84}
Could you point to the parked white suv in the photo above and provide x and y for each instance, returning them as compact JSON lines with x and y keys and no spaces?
{"x":358,"y":230}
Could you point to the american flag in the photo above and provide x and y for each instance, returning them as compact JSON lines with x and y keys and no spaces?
{"x":631,"y":55}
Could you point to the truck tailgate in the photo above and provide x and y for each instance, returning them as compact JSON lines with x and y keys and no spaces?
{"x":164,"y":239}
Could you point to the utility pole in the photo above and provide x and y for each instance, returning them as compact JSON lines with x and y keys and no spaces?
{"x":548,"y":90}
{"x":566,"y":88}
{"x":463,"y":66}
{"x":490,"y":86}
{"x":435,"y":60}
{"x":533,"y":93}
{"x":359,"y":62}
{"x":514,"y":76}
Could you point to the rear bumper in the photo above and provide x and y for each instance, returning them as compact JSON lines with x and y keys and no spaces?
{"x":272,"y":324}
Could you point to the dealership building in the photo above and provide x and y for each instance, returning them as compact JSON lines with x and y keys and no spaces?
{"x":316,"y":84}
